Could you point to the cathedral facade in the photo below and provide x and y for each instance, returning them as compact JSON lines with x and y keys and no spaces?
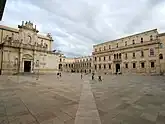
{"x":25,"y":50}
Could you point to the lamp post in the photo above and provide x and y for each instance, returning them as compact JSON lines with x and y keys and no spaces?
{"x":37,"y":65}
{"x":1,"y":47}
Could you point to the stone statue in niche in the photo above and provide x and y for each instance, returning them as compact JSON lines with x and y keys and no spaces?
{"x":29,"y":39}
{"x":41,"y":43}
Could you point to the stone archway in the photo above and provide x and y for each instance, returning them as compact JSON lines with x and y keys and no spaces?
{"x":27,"y":62}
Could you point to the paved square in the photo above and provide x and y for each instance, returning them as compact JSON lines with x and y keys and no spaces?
{"x":118,"y":99}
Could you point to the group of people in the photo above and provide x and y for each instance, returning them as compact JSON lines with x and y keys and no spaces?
{"x":93,"y":77}
{"x":58,"y":74}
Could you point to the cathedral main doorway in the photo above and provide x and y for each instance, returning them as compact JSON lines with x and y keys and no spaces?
{"x":27,"y":66}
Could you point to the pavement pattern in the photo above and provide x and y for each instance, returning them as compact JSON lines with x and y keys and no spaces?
{"x":118,"y":99}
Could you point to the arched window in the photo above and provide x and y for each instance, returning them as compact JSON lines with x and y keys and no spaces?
{"x":151,"y":52}
{"x":114,"y":56}
{"x":160,"y":56}
{"x":119,"y":55}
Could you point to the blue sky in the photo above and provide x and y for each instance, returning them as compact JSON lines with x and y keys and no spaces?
{"x":76,"y":25}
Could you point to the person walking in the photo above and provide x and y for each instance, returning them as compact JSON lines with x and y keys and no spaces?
{"x":99,"y":78}
{"x":58,"y":75}
{"x":81,"y":76}
{"x":93,"y":76}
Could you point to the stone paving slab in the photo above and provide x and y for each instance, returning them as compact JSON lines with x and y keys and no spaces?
{"x":118,"y":99}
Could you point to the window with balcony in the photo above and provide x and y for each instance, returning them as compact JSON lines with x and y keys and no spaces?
{"x":160,"y":56}
{"x":151,"y":52}
{"x":125,"y":43}
{"x":152,"y":64}
{"x":109,"y":66}
{"x":142,"y":65}
{"x":133,"y":41}
{"x":151,"y":38}
{"x":134,"y":65}
{"x":104,"y":66}
{"x":126,"y":65}
{"x":141,"y":40}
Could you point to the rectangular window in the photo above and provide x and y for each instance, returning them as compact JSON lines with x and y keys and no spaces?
{"x":109,"y":66}
{"x":125,"y":43}
{"x":142,"y":65}
{"x":109,"y":46}
{"x":152,"y":64}
{"x":109,"y":57}
{"x":104,"y":58}
{"x":104,"y":48}
{"x":104,"y":66}
{"x":95,"y":58}
{"x":95,"y":50}
{"x":99,"y":66}
{"x":117,"y":45}
{"x":99,"y":58}
{"x":100,"y":49}
{"x":134,"y":65}
{"x":126,"y":65}
{"x":95,"y":67}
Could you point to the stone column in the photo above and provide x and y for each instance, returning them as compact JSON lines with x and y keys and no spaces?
{"x":20,"y":62}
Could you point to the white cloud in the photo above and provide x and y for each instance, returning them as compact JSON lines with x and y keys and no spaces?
{"x":78,"y":24}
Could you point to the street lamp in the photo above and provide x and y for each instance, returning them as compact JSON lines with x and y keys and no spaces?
{"x":37,"y":65}
{"x":1,"y":47}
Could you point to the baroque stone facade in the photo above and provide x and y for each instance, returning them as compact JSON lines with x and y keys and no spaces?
{"x":139,"y":53}
{"x":24,"y":50}
{"x":78,"y":65}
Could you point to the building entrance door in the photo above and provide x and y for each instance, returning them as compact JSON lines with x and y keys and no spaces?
{"x":117,"y":68}
{"x":27,"y":66}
